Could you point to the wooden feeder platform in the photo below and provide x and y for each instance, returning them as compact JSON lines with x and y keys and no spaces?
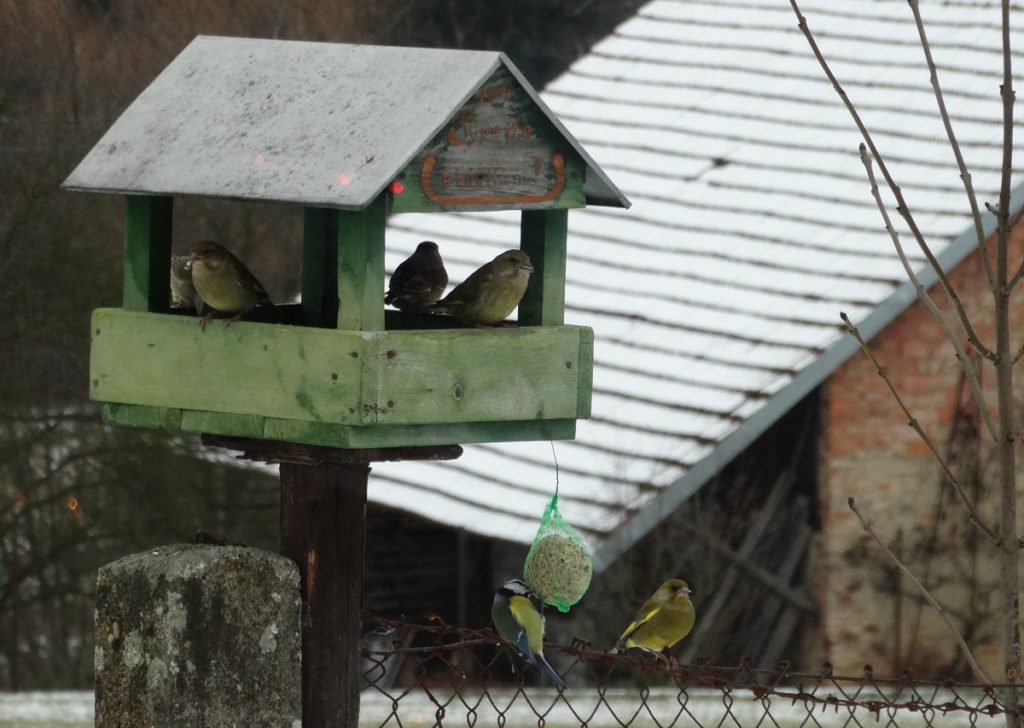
{"x":354,"y":134}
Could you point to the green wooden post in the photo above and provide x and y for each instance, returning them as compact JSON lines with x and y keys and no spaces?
{"x":361,"y":268}
{"x":319,"y":266}
{"x":542,"y":235}
{"x":147,"y":253}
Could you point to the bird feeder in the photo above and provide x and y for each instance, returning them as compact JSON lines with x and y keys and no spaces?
{"x":352,"y":133}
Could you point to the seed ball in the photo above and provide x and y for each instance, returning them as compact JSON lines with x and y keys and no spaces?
{"x":558,"y":570}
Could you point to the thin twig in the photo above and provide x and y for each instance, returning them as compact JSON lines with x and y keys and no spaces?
{"x":965,"y":175}
{"x":922,"y":294}
{"x":902,"y":207}
{"x":1011,"y":224}
{"x":972,"y":514}
{"x":975,"y":667}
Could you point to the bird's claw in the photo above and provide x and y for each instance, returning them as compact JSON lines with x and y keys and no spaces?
{"x":204,"y":319}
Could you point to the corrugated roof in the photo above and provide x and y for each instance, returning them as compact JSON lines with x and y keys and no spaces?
{"x":715,"y":300}
{"x":323,"y":124}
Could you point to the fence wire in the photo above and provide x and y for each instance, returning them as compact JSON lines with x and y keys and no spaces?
{"x":438,"y":675}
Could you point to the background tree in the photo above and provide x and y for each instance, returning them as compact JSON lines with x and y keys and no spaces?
{"x":1002,"y":277}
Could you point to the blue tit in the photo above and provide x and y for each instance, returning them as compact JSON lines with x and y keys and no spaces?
{"x":663,"y":620}
{"x":518,"y":615}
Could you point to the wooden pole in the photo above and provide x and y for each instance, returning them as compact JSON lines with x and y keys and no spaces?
{"x":323,"y":510}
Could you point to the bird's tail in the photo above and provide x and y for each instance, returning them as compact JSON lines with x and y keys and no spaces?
{"x":544,"y":667}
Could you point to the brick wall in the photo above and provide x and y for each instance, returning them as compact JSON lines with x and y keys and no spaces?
{"x":869,"y":452}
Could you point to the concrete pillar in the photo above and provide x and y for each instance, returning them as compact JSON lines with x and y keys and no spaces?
{"x":198,"y":635}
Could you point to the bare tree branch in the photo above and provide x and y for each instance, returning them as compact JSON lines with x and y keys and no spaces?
{"x":972,"y":514}
{"x":1009,"y":563}
{"x":922,"y":294}
{"x":1011,"y":224}
{"x":965,"y":175}
{"x":975,"y":667}
{"x":901,"y":204}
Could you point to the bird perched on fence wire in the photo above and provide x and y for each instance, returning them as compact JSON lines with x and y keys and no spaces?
{"x":518,"y":616}
{"x":224,"y":283}
{"x":183,"y":293}
{"x":663,"y":620}
{"x":491,"y":292}
{"x":419,"y":280}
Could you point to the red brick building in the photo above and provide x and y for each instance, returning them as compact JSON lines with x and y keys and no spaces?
{"x":869,"y":452}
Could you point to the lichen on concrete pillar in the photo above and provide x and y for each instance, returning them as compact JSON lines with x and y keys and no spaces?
{"x":198,"y":635}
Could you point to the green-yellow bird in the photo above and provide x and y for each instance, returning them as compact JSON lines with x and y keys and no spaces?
{"x":224,"y":283}
{"x":491,"y":292}
{"x":663,"y":620}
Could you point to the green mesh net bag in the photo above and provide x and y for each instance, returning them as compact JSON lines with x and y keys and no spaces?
{"x":558,"y":567}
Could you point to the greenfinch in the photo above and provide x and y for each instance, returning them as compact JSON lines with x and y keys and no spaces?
{"x":183,"y":293}
{"x":419,"y":280}
{"x":223,"y":283}
{"x":663,"y":620}
{"x":518,"y":615}
{"x":491,"y":292}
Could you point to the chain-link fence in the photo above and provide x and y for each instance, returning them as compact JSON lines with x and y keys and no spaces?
{"x":438,"y":675}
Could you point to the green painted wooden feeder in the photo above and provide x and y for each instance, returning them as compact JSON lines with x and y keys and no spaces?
{"x":351,"y":133}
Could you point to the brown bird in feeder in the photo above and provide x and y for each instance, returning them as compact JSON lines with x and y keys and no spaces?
{"x":183,"y":293}
{"x":491,"y":292}
{"x":419,"y":280}
{"x":224,"y":283}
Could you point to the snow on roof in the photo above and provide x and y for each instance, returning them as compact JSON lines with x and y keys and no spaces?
{"x":327,"y":124}
{"x":715,"y":300}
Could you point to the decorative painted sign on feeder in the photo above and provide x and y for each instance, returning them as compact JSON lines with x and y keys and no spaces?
{"x":499,"y":150}
{"x":352,"y":133}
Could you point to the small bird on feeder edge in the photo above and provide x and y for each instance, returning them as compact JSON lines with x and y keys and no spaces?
{"x":183,"y":293}
{"x":491,"y":292}
{"x":224,"y":283}
{"x":419,"y":280}
{"x":518,"y":615}
{"x":663,"y":620}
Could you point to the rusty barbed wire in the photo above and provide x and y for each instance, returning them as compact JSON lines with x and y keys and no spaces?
{"x":436,"y":674}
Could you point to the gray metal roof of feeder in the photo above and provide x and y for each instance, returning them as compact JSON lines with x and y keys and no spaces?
{"x":289,"y":121}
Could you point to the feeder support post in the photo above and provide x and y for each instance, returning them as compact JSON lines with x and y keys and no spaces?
{"x":543,"y":237}
{"x":319,"y":267}
{"x":147,"y":252}
{"x":361,"y":267}
{"x":323,"y":524}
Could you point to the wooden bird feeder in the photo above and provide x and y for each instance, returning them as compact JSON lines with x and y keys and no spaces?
{"x":352,"y":133}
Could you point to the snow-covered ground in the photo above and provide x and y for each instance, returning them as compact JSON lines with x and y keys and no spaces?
{"x":46,"y":709}
{"x":702,"y":707}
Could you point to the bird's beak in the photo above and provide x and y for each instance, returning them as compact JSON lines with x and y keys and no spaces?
{"x":191,"y":261}
{"x":527,"y":266}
